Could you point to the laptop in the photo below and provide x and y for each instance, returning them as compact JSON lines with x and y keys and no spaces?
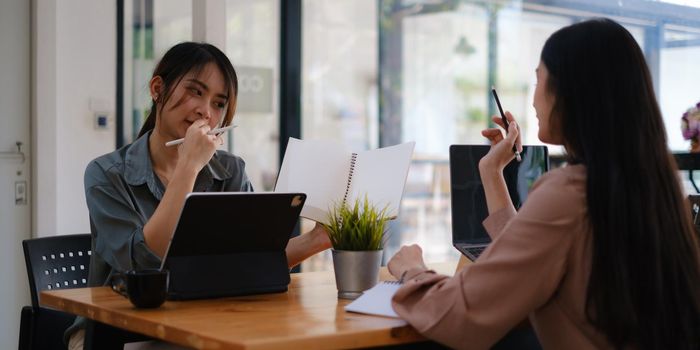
{"x":467,"y":192}
{"x":231,"y":243}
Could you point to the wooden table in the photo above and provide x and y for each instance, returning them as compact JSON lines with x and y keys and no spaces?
{"x":308,"y":316}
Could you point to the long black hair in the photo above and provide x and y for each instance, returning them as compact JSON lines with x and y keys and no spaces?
{"x":189,"y":57}
{"x":644,"y":286}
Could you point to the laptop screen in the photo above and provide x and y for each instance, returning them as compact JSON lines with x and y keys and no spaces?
{"x":467,"y":193}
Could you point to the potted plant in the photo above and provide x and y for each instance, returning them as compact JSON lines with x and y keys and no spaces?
{"x":357,"y":234}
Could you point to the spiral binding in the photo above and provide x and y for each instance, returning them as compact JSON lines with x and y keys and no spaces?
{"x":353,"y":160}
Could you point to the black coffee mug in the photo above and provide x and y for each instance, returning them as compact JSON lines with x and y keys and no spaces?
{"x":144,"y":288}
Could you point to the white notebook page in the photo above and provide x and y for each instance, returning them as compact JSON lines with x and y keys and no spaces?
{"x":381,"y":175}
{"x":318,"y":168}
{"x":376,"y":300}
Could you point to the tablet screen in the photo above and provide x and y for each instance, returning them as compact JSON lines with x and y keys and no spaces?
{"x":219,"y":223}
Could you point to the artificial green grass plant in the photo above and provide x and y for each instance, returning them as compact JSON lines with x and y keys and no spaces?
{"x":356,"y":228}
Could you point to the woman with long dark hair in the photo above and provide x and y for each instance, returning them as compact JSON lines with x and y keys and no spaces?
{"x":135,"y":194}
{"x":603,"y":254}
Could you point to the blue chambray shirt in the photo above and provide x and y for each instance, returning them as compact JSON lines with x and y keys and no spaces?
{"x":123,"y":191}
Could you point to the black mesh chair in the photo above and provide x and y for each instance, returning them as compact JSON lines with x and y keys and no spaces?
{"x":100,"y":336}
{"x":57,"y":262}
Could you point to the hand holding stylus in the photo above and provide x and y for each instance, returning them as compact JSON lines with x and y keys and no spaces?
{"x":505,"y":121}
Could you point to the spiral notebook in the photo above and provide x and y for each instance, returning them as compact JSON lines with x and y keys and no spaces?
{"x":329,"y":174}
{"x":376,"y":300}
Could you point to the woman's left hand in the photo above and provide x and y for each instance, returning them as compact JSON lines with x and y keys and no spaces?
{"x":408,"y":257}
{"x":501,"y":152}
{"x":322,"y":236}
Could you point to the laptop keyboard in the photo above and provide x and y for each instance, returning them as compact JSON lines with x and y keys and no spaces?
{"x":471,"y":251}
{"x":475,"y":251}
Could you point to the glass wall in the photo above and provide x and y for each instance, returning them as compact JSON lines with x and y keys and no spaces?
{"x":381,"y":72}
{"x":151,"y":27}
{"x":339,"y":80}
{"x":438,"y":60}
{"x":252,"y":45}
{"x":339,"y":86}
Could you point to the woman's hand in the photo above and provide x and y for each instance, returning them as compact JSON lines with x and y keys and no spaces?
{"x":492,"y":164}
{"x":408,"y":257}
{"x":303,"y":246}
{"x":501,"y":152}
{"x":323,"y":242}
{"x":198,"y":147}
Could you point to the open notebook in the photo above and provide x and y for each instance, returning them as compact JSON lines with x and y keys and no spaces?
{"x":376,"y":300}
{"x":329,"y":174}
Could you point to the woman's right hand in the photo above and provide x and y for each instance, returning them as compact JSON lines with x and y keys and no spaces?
{"x":198,"y":147}
{"x":501,"y":152}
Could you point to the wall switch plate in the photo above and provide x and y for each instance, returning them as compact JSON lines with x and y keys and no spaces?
{"x":103,"y":121}
{"x":20,"y":192}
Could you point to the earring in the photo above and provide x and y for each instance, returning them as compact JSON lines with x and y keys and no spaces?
{"x":155,"y":98}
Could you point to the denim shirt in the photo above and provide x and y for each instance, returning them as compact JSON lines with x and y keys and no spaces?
{"x":123,"y":191}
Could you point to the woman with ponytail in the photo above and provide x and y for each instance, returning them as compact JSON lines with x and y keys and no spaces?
{"x":135,"y":194}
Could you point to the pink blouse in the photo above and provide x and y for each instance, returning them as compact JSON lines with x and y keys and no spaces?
{"x":537,"y":266}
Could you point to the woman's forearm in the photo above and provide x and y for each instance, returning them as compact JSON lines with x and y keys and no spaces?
{"x":301,"y":247}
{"x":161,"y":225}
{"x":496,"y":191}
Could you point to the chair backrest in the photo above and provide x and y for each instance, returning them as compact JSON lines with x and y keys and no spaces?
{"x":57,"y":262}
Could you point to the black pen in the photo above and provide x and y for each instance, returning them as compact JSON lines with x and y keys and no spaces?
{"x":505,"y":121}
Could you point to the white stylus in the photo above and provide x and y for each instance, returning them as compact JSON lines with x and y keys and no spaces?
{"x":211,"y":132}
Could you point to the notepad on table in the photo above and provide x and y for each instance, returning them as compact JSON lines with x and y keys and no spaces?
{"x":329,"y":174}
{"x":376,"y":300}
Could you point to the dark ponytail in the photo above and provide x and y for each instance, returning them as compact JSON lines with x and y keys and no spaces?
{"x":189,"y":57}
{"x":644,"y":287}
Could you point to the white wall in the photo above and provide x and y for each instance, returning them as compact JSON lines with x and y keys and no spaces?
{"x":44,"y":113}
{"x":14,"y":126}
{"x":75,"y":77}
{"x":56,"y":56}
